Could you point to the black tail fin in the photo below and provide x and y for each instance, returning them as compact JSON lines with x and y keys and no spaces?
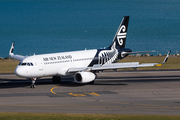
{"x":120,"y":36}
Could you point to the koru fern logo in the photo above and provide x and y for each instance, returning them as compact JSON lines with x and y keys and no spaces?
{"x":120,"y":42}
{"x":121,"y":34}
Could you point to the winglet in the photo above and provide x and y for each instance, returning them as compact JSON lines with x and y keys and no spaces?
{"x":165,"y":60}
{"x":12,"y":49}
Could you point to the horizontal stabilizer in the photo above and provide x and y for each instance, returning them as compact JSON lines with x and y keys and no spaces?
{"x":137,"y":52}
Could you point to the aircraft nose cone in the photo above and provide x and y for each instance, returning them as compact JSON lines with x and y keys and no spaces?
{"x":18,"y":72}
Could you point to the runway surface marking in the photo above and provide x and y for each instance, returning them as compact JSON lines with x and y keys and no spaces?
{"x":136,"y":105}
{"x":74,"y":94}
{"x":79,"y":96}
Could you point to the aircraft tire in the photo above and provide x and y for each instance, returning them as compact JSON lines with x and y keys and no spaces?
{"x":32,"y":86}
{"x":56,"y":79}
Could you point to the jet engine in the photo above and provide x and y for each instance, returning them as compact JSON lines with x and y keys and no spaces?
{"x":84,"y":77}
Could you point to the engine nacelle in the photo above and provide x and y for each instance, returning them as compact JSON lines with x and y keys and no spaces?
{"x":84,"y":77}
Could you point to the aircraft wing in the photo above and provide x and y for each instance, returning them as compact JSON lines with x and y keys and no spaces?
{"x":17,"y":57}
{"x":112,"y":66}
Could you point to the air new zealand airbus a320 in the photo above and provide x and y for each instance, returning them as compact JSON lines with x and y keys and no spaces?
{"x":82,"y":64}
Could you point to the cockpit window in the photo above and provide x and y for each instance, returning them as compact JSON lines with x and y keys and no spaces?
{"x":20,"y":63}
{"x":25,"y":64}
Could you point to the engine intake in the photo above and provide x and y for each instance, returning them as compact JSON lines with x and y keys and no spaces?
{"x":84,"y":77}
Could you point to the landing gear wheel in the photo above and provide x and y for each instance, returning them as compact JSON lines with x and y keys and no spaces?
{"x":59,"y":79}
{"x":33,"y":86}
{"x":56,"y":79}
{"x":33,"y":83}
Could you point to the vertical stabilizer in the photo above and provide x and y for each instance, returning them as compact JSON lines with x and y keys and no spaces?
{"x":120,"y":36}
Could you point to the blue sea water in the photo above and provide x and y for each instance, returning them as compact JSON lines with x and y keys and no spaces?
{"x":42,"y":26}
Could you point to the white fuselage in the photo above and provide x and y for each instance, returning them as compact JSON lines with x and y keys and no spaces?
{"x":54,"y":64}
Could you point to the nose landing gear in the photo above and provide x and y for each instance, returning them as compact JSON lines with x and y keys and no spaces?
{"x":33,"y":83}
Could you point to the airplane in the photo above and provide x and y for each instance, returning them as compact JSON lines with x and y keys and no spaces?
{"x":84,"y":64}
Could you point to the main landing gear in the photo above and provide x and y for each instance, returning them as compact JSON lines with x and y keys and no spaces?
{"x":33,"y":82}
{"x":56,"y":79}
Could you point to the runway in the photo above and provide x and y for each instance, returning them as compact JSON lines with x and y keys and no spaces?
{"x":125,"y":92}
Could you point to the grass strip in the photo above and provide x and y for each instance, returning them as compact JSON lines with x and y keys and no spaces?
{"x":8,"y":66}
{"x":69,"y":116}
